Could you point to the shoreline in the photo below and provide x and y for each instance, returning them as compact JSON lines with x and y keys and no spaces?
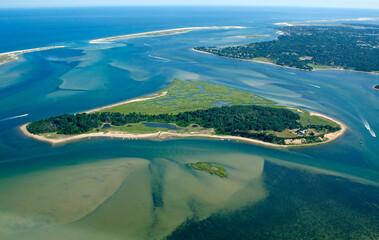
{"x":247,"y":60}
{"x":158,"y":33}
{"x":287,"y":67}
{"x":169,"y":135}
{"x":13,"y":56}
{"x":298,"y":23}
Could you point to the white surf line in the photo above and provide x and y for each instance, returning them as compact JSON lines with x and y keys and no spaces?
{"x":161,"y":33}
{"x":14,"y":117}
{"x":324,"y":21}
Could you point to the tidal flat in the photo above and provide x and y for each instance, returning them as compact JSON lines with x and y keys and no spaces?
{"x":119,"y":198}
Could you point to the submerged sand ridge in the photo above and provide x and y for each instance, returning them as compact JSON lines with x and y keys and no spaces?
{"x":149,"y":199}
{"x":59,"y":195}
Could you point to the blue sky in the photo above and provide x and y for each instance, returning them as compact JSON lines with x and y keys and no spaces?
{"x":308,"y":3}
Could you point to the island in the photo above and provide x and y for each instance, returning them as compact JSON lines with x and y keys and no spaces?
{"x":376,"y":87}
{"x":189,"y":108}
{"x":210,"y":168}
{"x":313,"y":47}
{"x":161,"y":33}
{"x":13,"y":56}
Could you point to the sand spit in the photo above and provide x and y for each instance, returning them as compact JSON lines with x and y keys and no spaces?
{"x":13,"y":56}
{"x":161,"y":33}
{"x":156,"y":95}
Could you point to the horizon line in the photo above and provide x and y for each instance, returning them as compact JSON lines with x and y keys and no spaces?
{"x":184,"y":5}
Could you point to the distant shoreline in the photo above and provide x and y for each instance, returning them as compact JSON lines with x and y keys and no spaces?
{"x":13,"y":56}
{"x":165,"y":32}
{"x":274,"y":64}
{"x":297,"y":23}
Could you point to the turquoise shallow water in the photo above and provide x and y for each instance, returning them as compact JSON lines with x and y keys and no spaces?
{"x":147,"y":185}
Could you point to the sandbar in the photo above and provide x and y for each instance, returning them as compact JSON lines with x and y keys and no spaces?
{"x":161,"y":33}
{"x":13,"y":56}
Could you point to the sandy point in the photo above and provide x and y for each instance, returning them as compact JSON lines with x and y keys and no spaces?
{"x":331,"y":136}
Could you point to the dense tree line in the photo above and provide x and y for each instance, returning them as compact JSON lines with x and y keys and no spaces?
{"x":349,"y":47}
{"x":233,"y":120}
{"x":324,"y":127}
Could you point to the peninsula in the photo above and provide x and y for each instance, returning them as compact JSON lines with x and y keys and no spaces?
{"x":343,"y":47}
{"x":13,"y":56}
{"x":193,"y":109}
{"x":298,"y":23}
{"x":161,"y":33}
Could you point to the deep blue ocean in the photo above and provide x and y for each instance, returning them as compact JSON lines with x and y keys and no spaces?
{"x":128,"y":189}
